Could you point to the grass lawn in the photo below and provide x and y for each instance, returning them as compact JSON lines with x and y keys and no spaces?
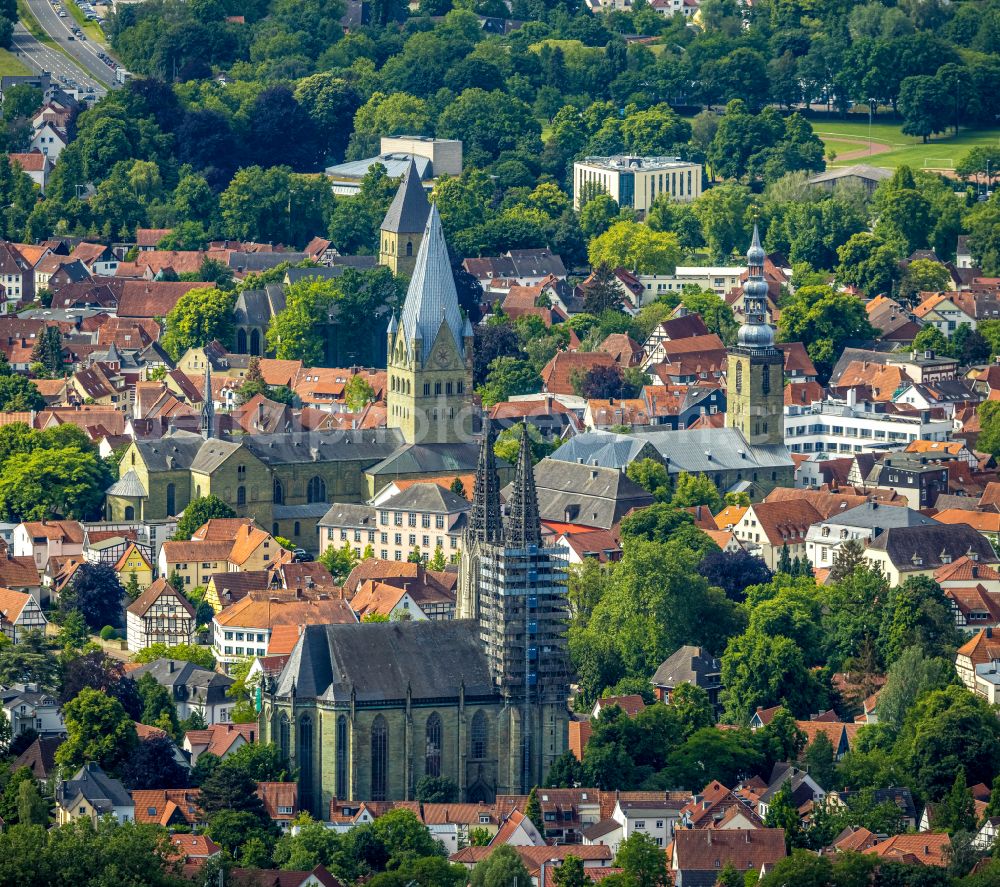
{"x":943,"y":151}
{"x":11,"y":65}
{"x":91,"y":29}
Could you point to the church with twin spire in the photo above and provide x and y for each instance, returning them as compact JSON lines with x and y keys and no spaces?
{"x":363,"y":712}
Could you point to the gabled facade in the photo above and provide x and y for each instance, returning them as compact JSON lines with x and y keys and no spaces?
{"x":160,"y":615}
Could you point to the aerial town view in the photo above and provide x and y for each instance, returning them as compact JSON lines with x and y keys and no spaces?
{"x":499,"y":443}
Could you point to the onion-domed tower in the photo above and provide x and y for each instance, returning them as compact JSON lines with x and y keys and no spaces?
{"x":755,"y":374}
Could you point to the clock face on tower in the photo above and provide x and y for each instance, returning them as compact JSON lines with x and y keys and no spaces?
{"x":441,"y":356}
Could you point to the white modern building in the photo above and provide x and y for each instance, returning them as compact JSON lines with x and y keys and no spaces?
{"x":721,"y":279}
{"x":635,"y":182}
{"x":837,"y":427}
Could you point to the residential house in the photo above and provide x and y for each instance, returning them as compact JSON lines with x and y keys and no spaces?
{"x":193,"y":561}
{"x":580,"y":544}
{"x":981,"y":649}
{"x":689,"y":665}
{"x":553,"y":419}
{"x":894,"y":322}
{"x":281,"y":802}
{"x":134,"y":562}
{"x":36,"y":165}
{"x":919,"y":478}
{"x":902,"y":552}
{"x":381,"y":599}
{"x":768,"y":528}
{"x":564,"y":373}
{"x":683,"y":325}
{"x":220,"y":740}
{"x":160,"y":615}
{"x":966,"y":572}
{"x":863,"y":522}
{"x":526,"y":267}
{"x":244,"y":629}
{"x":987,"y":523}
{"x":17,"y":277}
{"x":193,"y":688}
{"x":29,"y":708}
{"x":432,"y":591}
{"x":19,"y":613}
{"x":92,"y":794}
{"x":585,"y":495}
{"x":49,"y":139}
{"x":39,"y":758}
{"x":168,"y":807}
{"x":45,"y":539}
{"x":699,"y":855}
{"x":924,"y":848}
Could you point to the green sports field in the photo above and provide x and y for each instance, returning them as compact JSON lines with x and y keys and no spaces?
{"x":892,"y":148}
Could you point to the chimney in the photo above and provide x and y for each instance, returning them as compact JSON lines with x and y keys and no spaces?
{"x":170,"y":666}
{"x":260,"y":415}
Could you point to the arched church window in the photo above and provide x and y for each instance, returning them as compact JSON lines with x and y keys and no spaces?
{"x":409,"y":247}
{"x":432,"y":754}
{"x":765,"y":379}
{"x":241,"y":341}
{"x":316,"y":490}
{"x":341,"y":787}
{"x":283,"y":733}
{"x":279,"y":493}
{"x":305,"y":759}
{"x":171,"y":499}
{"x":241,"y":495}
{"x":129,"y":512}
{"x":380,"y":759}
{"x":478,"y":736}
{"x":739,"y":378}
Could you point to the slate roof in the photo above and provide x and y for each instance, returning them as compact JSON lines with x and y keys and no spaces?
{"x":175,"y":451}
{"x":344,"y":446}
{"x":875,"y":516}
{"x":428,"y":459}
{"x":97,"y":787}
{"x":127,"y":485}
{"x":427,"y":497}
{"x":408,"y":211}
{"x":431,"y":298}
{"x":584,"y":494}
{"x":695,"y":451}
{"x":690,"y":665}
{"x":929,"y":543}
{"x":206,"y":683}
{"x":382,"y":661}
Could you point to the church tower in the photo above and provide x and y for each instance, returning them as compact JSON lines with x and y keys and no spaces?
{"x":755,"y":389}
{"x":403,"y":225}
{"x":430,"y":351}
{"x":515,"y":588}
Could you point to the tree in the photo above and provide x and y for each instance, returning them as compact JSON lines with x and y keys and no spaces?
{"x":603,"y":382}
{"x":819,"y":761}
{"x":158,"y":709}
{"x":652,"y":476}
{"x":153,"y":765}
{"x":508,"y":376}
{"x":96,"y":593}
{"x":32,"y":808}
{"x":502,"y":868}
{"x":198,"y":511}
{"x":734,"y":572}
{"x":436,"y":790}
{"x":603,"y":291}
{"x":849,"y":555}
{"x":184,"y":652}
{"x":642,"y":861}
{"x":200,"y":316}
{"x":48,"y":351}
{"x":868,"y":262}
{"x":231,"y":789}
{"x":957,"y":810}
{"x":636,"y":247}
{"x":438,"y":561}
{"x":28,"y":661}
{"x":825,"y":320}
{"x":783,"y":813}
{"x":358,"y":393}
{"x":696,"y":489}
{"x":917,"y":612}
{"x":533,"y":811}
{"x":759,"y":669}
{"x":571,"y":873}
{"x":923,"y":275}
{"x":339,"y":561}
{"x":924,"y":105}
{"x":261,"y":762}
{"x":66,"y":481}
{"x":97,"y":729}
{"x":73,"y":633}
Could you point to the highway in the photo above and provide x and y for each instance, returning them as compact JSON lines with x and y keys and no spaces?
{"x":84,"y":51}
{"x":40,"y":57}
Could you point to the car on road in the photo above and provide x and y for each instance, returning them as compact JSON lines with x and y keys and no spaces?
{"x":71,"y":37}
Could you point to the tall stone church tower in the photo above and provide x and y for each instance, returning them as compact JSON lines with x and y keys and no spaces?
{"x":403,"y":226}
{"x":515,"y":589}
{"x":755,"y":389}
{"x":430,"y":352}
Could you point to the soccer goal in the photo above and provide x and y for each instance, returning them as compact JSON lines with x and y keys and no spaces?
{"x":939,"y":163}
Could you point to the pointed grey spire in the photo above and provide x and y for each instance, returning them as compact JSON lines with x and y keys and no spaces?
{"x":523,"y":525}
{"x":391,"y":331}
{"x":431,"y":297}
{"x":408,"y":211}
{"x":208,"y":406}
{"x":485,"y":523}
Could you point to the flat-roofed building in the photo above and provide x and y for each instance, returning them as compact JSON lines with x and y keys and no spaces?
{"x":636,"y":182}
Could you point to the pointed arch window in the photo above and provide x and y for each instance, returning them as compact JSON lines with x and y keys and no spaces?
{"x":380,"y":759}
{"x":283,"y":734}
{"x":739,"y":377}
{"x":279,"y":493}
{"x":305,"y":760}
{"x":432,"y":754}
{"x":765,"y":379}
{"x":341,"y":787}
{"x":316,"y":491}
{"x":479,"y":736}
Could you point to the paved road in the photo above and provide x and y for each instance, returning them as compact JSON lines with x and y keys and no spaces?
{"x":84,"y":51}
{"x":40,"y":57}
